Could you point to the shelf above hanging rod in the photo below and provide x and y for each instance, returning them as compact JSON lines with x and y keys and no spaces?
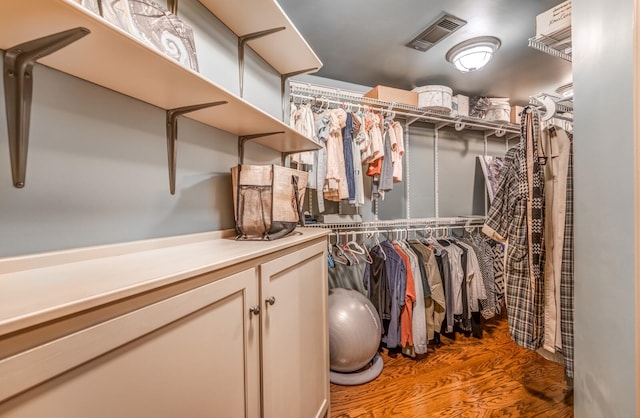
{"x":471,"y":221}
{"x":341,"y":97}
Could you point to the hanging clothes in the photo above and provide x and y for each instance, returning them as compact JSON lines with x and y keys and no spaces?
{"x":347,"y":147}
{"x":515,"y":217}
{"x":377,"y":285}
{"x":406,"y":316}
{"x":558,"y":269}
{"x":397,"y":147}
{"x":435,"y":304}
{"x":322,"y":133}
{"x":566,"y":275}
{"x":335,"y":187}
{"x":357,"y":163}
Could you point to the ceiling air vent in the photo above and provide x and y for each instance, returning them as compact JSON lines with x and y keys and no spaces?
{"x":439,"y":30}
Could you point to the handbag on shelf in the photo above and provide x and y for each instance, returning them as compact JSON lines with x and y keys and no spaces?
{"x":267,"y":200}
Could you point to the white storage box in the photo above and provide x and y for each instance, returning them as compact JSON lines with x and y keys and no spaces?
{"x":555,"y":20}
{"x":499,"y":110}
{"x":460,"y":105}
{"x":437,"y":98}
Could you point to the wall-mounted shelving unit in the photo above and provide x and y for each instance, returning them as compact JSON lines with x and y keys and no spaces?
{"x":411,"y":114}
{"x":555,"y":46}
{"x":114,"y":59}
{"x":559,"y":46}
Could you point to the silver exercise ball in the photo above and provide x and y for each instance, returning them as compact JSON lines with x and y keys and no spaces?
{"x":354,"y":330}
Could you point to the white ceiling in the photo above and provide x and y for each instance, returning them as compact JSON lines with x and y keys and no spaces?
{"x":363,"y":42}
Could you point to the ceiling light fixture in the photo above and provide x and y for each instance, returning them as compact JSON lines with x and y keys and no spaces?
{"x":473,"y":54}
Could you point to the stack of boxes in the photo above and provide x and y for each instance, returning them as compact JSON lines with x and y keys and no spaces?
{"x":555,"y":23}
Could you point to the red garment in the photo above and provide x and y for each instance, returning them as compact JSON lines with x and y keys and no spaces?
{"x":406,"y":316}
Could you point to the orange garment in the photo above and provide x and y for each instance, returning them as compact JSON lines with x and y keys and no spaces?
{"x":406,"y":316}
{"x":375,"y":167}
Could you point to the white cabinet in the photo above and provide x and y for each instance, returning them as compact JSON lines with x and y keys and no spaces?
{"x":295,"y":363}
{"x":208,"y":345}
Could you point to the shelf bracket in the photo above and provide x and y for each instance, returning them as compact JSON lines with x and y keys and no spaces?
{"x":172,"y":136}
{"x":242,"y":40}
{"x":415,"y":119}
{"x":18,"y":88}
{"x":284,"y":155}
{"x":246,"y":138}
{"x":283,"y":83}
{"x":441,"y":125}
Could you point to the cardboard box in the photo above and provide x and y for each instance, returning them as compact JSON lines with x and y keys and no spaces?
{"x":555,"y":20}
{"x":515,"y":114}
{"x":393,"y":95}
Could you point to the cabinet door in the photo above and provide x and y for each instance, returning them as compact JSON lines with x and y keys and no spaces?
{"x":193,"y":355}
{"x":295,"y":350}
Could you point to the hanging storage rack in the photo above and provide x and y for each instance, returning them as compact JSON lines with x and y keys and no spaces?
{"x":400,"y":226}
{"x":554,"y":106}
{"x":322,"y":95}
{"x":555,"y":47}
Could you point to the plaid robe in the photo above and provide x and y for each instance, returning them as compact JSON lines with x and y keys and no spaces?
{"x":516,"y":217}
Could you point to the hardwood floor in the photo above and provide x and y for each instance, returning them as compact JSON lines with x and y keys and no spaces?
{"x":468,"y":377}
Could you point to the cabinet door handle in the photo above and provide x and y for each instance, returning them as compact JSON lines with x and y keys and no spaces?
{"x":271,"y":300}
{"x":255,"y":310}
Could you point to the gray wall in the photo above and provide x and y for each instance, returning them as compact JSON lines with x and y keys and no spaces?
{"x":97,"y":172}
{"x":605,"y":327}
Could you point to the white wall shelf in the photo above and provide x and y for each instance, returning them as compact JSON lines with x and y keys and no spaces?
{"x":329,"y":95}
{"x":554,"y":46}
{"x":286,"y":51}
{"x":114,"y":59}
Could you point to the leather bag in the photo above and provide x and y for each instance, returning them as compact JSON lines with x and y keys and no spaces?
{"x":267,"y":200}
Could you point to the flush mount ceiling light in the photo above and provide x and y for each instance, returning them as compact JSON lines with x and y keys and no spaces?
{"x":473,"y":54}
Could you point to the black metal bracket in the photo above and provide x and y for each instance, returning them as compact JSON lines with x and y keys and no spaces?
{"x":172,"y":136}
{"x":242,"y":40}
{"x":284,"y":155}
{"x":283,"y":83}
{"x":246,"y":138}
{"x":18,"y":88}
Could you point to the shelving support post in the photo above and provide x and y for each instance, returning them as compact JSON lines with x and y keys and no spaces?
{"x":18,"y":88}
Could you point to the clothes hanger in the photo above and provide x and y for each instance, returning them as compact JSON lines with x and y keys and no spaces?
{"x":353,"y":259}
{"x":354,"y":246}
{"x":368,"y":260}
{"x":338,"y":254}
{"x":377,"y":238}
{"x":330,"y":260}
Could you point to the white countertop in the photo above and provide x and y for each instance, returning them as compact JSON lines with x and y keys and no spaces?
{"x":42,"y":287}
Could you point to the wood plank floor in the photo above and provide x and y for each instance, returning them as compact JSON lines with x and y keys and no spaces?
{"x":468,"y":377}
